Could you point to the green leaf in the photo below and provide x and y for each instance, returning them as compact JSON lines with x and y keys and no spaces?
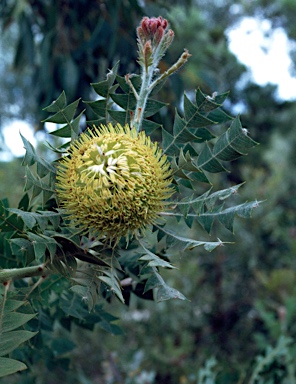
{"x":41,"y":243}
{"x":99,"y":107}
{"x":125,"y":101}
{"x":135,"y":80}
{"x":190,"y":243}
{"x":14,"y":320}
{"x":233,"y":143}
{"x":111,"y":279}
{"x":31,"y":158}
{"x":103,"y":87}
{"x":208,"y":162}
{"x":154,"y":260}
{"x":121,"y":117}
{"x":61,"y":346}
{"x":149,"y":126}
{"x":11,"y":305}
{"x":168,"y":144}
{"x":184,"y":168}
{"x":10,"y":366}
{"x":57,"y":104}
{"x":64,"y":115}
{"x":9,"y":223}
{"x":69,"y":130}
{"x":193,"y":118}
{"x":209,"y":199}
{"x":152,"y":107}
{"x":27,"y":217}
{"x":164,"y":292}
{"x":225,"y":216}
{"x":39,"y":186}
{"x":11,"y":340}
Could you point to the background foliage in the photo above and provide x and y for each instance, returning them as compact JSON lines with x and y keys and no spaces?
{"x":239,"y":324}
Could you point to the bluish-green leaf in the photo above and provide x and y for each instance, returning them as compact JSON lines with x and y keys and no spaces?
{"x":154,"y":260}
{"x":10,"y":366}
{"x":208,"y":162}
{"x":164,"y":292}
{"x":11,"y":340}
{"x":64,"y":115}
{"x":70,"y":130}
{"x":27,"y":217}
{"x":13,"y":320}
{"x":190,"y":243}
{"x":193,"y":118}
{"x":111,"y":279}
{"x":233,"y":143}
{"x":57,"y":104}
{"x":99,"y":107}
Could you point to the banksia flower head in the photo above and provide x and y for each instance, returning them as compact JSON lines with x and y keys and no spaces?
{"x":114,"y":181}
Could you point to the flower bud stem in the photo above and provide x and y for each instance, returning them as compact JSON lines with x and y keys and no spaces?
{"x":7,"y":275}
{"x":148,"y":84}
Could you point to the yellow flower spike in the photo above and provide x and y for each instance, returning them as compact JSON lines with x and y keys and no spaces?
{"x":114,"y":181}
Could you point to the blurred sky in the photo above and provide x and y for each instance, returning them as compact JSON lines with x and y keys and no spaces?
{"x":263,"y":50}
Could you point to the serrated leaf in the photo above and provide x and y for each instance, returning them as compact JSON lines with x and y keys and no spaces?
{"x":11,"y":305}
{"x":71,"y":129}
{"x":104,"y":88}
{"x":57,"y":104}
{"x":125,"y":101}
{"x":101,"y":88}
{"x":168,"y":144}
{"x":225,"y":216}
{"x":112,"y":73}
{"x":149,"y":126}
{"x":135,"y":80}
{"x":190,"y":243}
{"x":120,"y":117}
{"x":9,"y":223}
{"x":154,"y":260}
{"x":31,"y":158}
{"x":164,"y":291}
{"x":207,"y":103}
{"x":204,"y":102}
{"x":30,"y":155}
{"x":13,"y":320}
{"x":152,"y":107}
{"x":11,"y":340}
{"x":99,"y":107}
{"x":27,"y":217}
{"x":193,"y":118}
{"x":64,"y":115}
{"x":19,"y":246}
{"x":111,"y":279}
{"x":233,"y":143}
{"x":208,"y":199}
{"x":41,"y":243}
{"x":10,"y":366}
{"x":219,"y":116}
{"x":208,"y":162}
{"x":184,"y":168}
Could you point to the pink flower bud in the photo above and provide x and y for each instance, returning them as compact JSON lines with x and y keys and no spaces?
{"x":152,"y":29}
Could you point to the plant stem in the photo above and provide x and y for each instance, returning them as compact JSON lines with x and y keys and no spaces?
{"x":20,"y":273}
{"x":143,"y":96}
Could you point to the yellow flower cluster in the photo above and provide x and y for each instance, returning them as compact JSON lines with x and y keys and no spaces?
{"x":113,"y":181}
